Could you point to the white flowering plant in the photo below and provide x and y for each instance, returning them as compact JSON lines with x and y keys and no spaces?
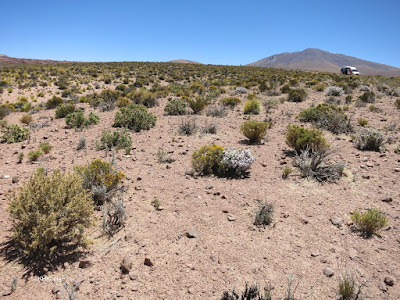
{"x":236,"y":162}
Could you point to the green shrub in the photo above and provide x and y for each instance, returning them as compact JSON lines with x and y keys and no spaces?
{"x":117,"y":139}
{"x":252,"y":107}
{"x":14,"y":134}
{"x":20,"y":157}
{"x":207,"y":159}
{"x":397,"y":103}
{"x":50,"y":212}
{"x":255,"y":131}
{"x":230,"y":101}
{"x":144,"y":97}
{"x":300,"y":138}
{"x":77,"y":119}
{"x":297,"y":95}
{"x":175,"y":107}
{"x":286,"y":172}
{"x":187,"y":127}
{"x":320,"y":87}
{"x":264,"y":214}
{"x":362,"y":122}
{"x":198,"y":104}
{"x":134,"y":117}
{"x":367,"y":97}
{"x":5,"y":110}
{"x":34,"y":155}
{"x":369,"y":139}
{"x":370,"y":222}
{"x":122,"y":102}
{"x":285,"y":89}
{"x":54,"y":102}
{"x":46,"y":147}
{"x":26,"y":119}
{"x":64,"y":109}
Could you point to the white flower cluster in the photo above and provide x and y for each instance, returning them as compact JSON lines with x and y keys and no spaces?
{"x":236,"y":161}
{"x":334,"y":91}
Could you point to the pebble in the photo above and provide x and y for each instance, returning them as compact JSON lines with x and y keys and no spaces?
{"x":148,"y":262}
{"x":192,"y":233}
{"x":337,"y":221}
{"x":83,"y":264}
{"x":328,"y":272}
{"x":388,"y":281}
{"x":231,"y":218}
{"x":382,"y":287}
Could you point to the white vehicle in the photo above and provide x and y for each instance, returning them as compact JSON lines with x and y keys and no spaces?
{"x":347,"y":70}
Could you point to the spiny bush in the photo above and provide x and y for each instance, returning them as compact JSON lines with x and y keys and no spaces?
{"x":235,"y":162}
{"x":327,"y":116}
{"x":249,"y":293}
{"x":99,"y":177}
{"x":54,"y":102}
{"x":26,"y":119}
{"x":207,"y":159}
{"x":300,"y":138}
{"x":252,"y":107}
{"x":264,"y":214}
{"x":334,"y":91}
{"x":369,"y":139}
{"x":217,"y":111}
{"x":370,"y":222}
{"x":187,"y":127}
{"x":134,"y":117}
{"x":118,"y":140}
{"x":14,"y":134}
{"x":209,"y":128}
{"x":230,"y":101}
{"x":64,"y":109}
{"x":78,"y":120}
{"x":50,"y":212}
{"x":34,"y":155}
{"x":297,"y":95}
{"x":176,"y":107}
{"x":367,"y":97}
{"x":255,"y":131}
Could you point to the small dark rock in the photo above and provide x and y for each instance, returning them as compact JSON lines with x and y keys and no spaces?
{"x":387,"y":200}
{"x":388,"y":281}
{"x":15,"y":179}
{"x":126,"y":265}
{"x":83,"y":264}
{"x":148,"y":262}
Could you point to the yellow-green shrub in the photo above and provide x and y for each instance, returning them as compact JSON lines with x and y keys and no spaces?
{"x":50,"y":212}
{"x":252,"y":107}
{"x":254,"y":130}
{"x":14,"y":134}
{"x":26,"y":119}
{"x":207,"y":159}
{"x":299,"y":138}
{"x":369,"y":222}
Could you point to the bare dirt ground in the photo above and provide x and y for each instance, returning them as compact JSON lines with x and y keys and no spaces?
{"x":229,"y":250}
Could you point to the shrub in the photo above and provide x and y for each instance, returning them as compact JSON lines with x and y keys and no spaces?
{"x":122,"y":102}
{"x":252,"y":107}
{"x":77,"y":119}
{"x":20,"y":157}
{"x":187,"y":127}
{"x":370,"y":222}
{"x":176,"y":107}
{"x":230,"y":101}
{"x":26,"y":119}
{"x":327,"y":116}
{"x":250,"y":293}
{"x":285,"y":88}
{"x":255,"y":131}
{"x":144,"y":97}
{"x":207,"y":159}
{"x":270,"y":104}
{"x":100,"y":178}
{"x":397,"y":103}
{"x":50,"y":212}
{"x":297,"y":95}
{"x":14,"y":134}
{"x":264,"y":214}
{"x":300,"y":138}
{"x":117,"y":139}
{"x":5,"y":109}
{"x":81,"y":143}
{"x":235,"y":162}
{"x":334,"y":91}
{"x":54,"y":102}
{"x":163,"y":157}
{"x":286,"y":172}
{"x":369,"y":139}
{"x":209,"y":128}
{"x":46,"y":147}
{"x":362,"y":122}
{"x":63,"y":110}
{"x":134,"y":117}
{"x":320,"y":87}
{"x":367,"y":97}
{"x":198,"y":104}
{"x":34,"y":155}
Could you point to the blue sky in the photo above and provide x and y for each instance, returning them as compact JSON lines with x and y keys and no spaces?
{"x":214,"y":32}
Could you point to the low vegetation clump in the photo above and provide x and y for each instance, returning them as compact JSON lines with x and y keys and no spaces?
{"x":252,"y":107}
{"x":270,"y":104}
{"x":362,"y":122}
{"x":64,"y":109}
{"x":117,"y":139}
{"x":369,"y":139}
{"x":327,"y":116}
{"x":14,"y":134}
{"x":176,"y":107}
{"x":54,"y":102}
{"x":198,"y":104}
{"x":397,"y":103}
{"x":370,"y":222}
{"x":297,"y":95}
{"x":286,"y":172}
{"x":300,"y":138}
{"x":367,"y":97}
{"x":250,"y":293}
{"x":78,"y":120}
{"x":334,"y":91}
{"x":255,"y":131}
{"x":187,"y":127}
{"x":134,"y":117}
{"x":50,"y":212}
{"x":26,"y":119}
{"x":217,"y":111}
{"x":45,"y":147}
{"x":350,"y":287}
{"x":34,"y":155}
{"x":230,"y":101}
{"x":207,"y":159}
{"x":264,"y":214}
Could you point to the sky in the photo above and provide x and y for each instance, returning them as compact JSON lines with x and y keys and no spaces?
{"x":211,"y":32}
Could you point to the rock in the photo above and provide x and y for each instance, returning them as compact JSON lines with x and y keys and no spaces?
{"x":55,"y":290}
{"x":387,"y":199}
{"x":83,"y":264}
{"x":337,"y":221}
{"x":133,"y":277}
{"x":328,"y":272}
{"x":192,"y":233}
{"x":397,"y":170}
{"x":382,"y":287}
{"x":126,"y":265}
{"x":148,"y":262}
{"x":285,"y":215}
{"x":78,"y":282}
{"x":15,"y":179}
{"x":388,"y":281}
{"x":6,"y":176}
{"x":231,"y":218}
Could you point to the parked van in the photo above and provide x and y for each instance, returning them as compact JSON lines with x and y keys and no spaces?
{"x":347,"y":70}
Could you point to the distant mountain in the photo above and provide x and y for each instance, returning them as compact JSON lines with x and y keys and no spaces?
{"x":4,"y":60}
{"x":184,"y":61}
{"x":319,"y":60}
